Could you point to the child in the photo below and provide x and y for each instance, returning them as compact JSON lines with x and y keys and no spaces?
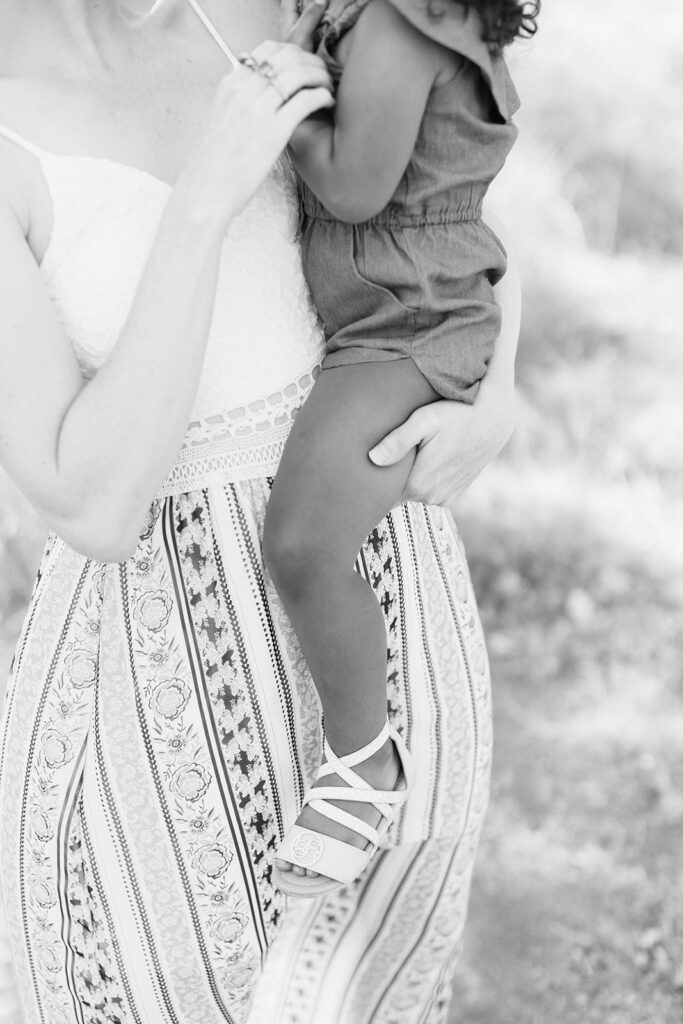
{"x":401,"y":269}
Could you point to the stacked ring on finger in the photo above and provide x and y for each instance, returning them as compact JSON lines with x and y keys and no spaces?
{"x":247,"y":61}
{"x":263,"y":68}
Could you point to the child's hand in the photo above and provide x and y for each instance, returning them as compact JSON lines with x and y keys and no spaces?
{"x":300,"y":28}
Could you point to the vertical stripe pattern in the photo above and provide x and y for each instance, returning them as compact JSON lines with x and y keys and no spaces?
{"x":159,"y":733}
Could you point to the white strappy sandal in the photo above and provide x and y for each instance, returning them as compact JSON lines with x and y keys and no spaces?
{"x":340,"y":862}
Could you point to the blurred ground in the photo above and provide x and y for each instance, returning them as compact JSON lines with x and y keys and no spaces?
{"x":575,"y":543}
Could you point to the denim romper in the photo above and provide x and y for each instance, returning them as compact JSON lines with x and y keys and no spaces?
{"x":416,"y":281}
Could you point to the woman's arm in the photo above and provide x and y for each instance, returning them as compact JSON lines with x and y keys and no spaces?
{"x":90,"y":457}
{"x":456,"y":441}
{"x":500,"y":376}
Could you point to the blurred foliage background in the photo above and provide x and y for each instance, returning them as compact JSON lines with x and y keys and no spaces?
{"x":575,"y":543}
{"x":575,"y":538}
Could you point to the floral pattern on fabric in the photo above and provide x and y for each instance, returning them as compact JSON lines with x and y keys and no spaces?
{"x":93,"y":961}
{"x":58,"y":739}
{"x":378,"y":558}
{"x":148,"y":694}
{"x":190,"y":782}
{"x":236,"y":714}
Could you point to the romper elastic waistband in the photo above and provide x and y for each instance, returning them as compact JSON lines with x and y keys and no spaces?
{"x":398,"y":218}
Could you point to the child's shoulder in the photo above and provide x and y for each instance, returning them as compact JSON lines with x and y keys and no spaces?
{"x":449,"y":23}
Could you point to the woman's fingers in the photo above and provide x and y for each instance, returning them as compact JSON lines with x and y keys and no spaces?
{"x":254,"y":114}
{"x":283,"y":55}
{"x":410,"y":434}
{"x":302,"y":105}
{"x":291,"y":80}
{"x":286,"y":68}
{"x":303,"y":29}
{"x":454,"y":443}
{"x":250,"y":88}
{"x":267,"y":49}
{"x":289,"y":15}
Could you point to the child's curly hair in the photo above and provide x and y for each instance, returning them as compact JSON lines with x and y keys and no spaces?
{"x":503,"y":21}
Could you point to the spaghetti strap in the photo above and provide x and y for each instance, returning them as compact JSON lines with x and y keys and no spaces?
{"x":213,"y":31}
{"x":19,"y":140}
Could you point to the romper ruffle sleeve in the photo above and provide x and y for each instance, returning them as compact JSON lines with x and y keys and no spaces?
{"x":457,"y":28}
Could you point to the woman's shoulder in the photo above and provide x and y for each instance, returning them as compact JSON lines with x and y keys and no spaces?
{"x":24,"y":195}
{"x":24,"y":201}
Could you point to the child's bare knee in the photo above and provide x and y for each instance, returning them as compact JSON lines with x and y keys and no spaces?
{"x":288,"y":554}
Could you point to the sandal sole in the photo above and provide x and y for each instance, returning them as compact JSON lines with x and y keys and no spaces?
{"x":310,"y":888}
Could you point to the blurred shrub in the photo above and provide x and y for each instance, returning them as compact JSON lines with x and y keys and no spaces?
{"x":575,"y":536}
{"x":575,"y":577}
{"x":601,"y":91}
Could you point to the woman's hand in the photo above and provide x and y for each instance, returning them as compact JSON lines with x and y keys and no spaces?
{"x":249,"y":124}
{"x":454,"y":443}
{"x":299,"y":27}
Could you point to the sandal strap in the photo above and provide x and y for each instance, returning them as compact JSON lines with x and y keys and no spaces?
{"x":357,"y":789}
{"x":351,"y":821}
{"x":383,"y":799}
{"x":327,"y":856}
{"x":333,"y":857}
{"x":354,"y":784}
{"x":343,"y":766}
{"x":363,"y":753}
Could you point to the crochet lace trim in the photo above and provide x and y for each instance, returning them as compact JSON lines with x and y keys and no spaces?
{"x":241,"y":444}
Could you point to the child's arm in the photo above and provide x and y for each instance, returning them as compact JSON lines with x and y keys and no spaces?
{"x":355,"y":159}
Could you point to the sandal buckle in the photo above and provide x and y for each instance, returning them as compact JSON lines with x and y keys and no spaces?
{"x":308,"y":848}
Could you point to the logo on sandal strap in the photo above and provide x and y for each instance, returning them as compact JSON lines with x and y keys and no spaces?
{"x":308,"y":848}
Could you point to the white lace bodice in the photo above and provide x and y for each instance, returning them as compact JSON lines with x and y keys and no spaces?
{"x":264,"y":339}
{"x":264,"y":344}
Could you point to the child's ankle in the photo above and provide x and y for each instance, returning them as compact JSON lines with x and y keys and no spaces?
{"x":342,"y":746}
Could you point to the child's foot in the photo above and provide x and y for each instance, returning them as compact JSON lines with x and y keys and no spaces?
{"x":382,"y":771}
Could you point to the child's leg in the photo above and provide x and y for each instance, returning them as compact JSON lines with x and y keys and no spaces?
{"x":326,"y":499}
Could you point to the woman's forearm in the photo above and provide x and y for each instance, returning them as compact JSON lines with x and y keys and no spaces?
{"x":92,"y":456}
{"x":500,"y":375}
{"x":119,"y":436}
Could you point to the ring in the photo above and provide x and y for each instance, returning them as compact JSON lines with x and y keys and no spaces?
{"x":265,"y":69}
{"x":247,"y":61}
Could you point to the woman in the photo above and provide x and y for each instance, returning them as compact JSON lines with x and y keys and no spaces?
{"x":160,"y":724}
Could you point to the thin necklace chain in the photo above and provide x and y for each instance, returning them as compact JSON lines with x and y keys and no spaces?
{"x":213,"y":31}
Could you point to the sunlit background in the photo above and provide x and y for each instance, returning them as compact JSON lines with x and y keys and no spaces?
{"x":576,"y":543}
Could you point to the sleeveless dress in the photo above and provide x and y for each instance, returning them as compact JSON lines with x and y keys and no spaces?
{"x":416,"y":280}
{"x":161,"y":727}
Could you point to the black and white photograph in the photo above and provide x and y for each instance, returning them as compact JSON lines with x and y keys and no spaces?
{"x":341,"y":512}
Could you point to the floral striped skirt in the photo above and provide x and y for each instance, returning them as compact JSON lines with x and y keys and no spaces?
{"x":159,"y":733}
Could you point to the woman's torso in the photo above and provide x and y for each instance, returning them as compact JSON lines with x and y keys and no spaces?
{"x":91,"y":221}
